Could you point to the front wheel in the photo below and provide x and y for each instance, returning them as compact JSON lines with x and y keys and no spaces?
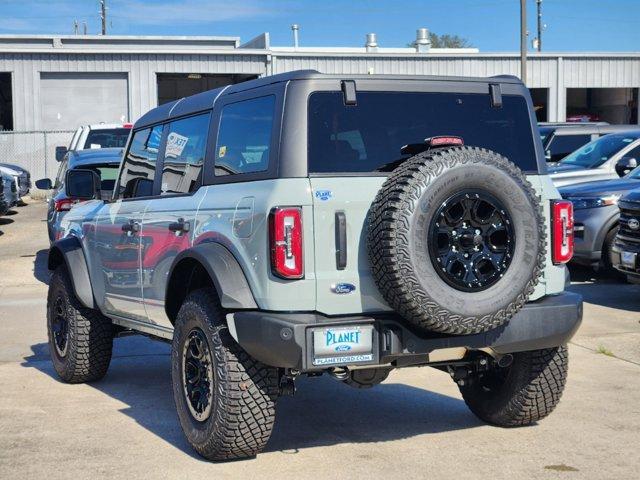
{"x":80,"y":338}
{"x":225,"y":399}
{"x":524,"y":392}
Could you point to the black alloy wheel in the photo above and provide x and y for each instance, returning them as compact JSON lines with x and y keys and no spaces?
{"x":197,"y":375}
{"x":471,"y":240}
{"x":60,"y":326}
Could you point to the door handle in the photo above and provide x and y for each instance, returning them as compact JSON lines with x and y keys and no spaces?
{"x":180,"y":226}
{"x":341,"y":240}
{"x":131,"y":227}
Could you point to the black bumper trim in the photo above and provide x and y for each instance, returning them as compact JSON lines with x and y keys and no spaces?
{"x":283,"y":339}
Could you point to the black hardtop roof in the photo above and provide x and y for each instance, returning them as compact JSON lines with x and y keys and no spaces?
{"x":204,"y":101}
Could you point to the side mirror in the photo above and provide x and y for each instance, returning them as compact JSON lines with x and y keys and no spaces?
{"x":82,"y":184}
{"x":44,"y":184}
{"x":625,"y":165}
{"x":60,"y":153}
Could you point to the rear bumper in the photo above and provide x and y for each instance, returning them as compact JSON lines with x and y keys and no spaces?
{"x":286,"y":339}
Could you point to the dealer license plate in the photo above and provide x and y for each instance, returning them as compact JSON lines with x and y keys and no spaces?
{"x":628,"y":259}
{"x":342,"y":345}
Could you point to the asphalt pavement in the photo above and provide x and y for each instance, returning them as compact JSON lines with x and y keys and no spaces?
{"x":414,"y":425}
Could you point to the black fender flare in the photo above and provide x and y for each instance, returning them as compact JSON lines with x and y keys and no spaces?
{"x":69,"y":250}
{"x":225,"y":272}
{"x":611,"y":222}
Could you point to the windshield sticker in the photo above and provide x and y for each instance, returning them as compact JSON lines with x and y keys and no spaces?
{"x":175,"y":145}
{"x":222,"y":151}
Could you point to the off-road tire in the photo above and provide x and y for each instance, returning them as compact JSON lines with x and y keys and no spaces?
{"x":367,"y":377}
{"x":245,"y":390}
{"x":530,"y":391}
{"x":90,"y":334}
{"x":399,"y":230}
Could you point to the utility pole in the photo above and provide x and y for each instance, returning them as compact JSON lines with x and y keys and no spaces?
{"x":103,"y":16}
{"x":539,"y":7}
{"x":523,"y":41}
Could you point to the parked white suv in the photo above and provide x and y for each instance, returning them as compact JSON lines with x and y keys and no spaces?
{"x":101,"y":135}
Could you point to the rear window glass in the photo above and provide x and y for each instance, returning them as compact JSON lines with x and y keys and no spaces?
{"x":563,"y":145}
{"x":368,"y":137}
{"x":107,"y":138}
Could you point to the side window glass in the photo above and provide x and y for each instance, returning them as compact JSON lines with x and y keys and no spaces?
{"x":244,"y":136}
{"x":184,"y":154}
{"x":138,"y":172}
{"x":62,"y":170}
{"x":563,"y":145}
{"x":634,"y":153}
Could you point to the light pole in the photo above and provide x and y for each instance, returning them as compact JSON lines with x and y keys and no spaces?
{"x":523,"y":41}
{"x":539,"y":7}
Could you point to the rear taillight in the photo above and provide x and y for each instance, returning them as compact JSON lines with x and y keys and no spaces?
{"x":562,"y":231}
{"x":285,"y":237}
{"x":64,"y":204}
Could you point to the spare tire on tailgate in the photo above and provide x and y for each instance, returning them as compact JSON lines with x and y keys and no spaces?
{"x":456,"y":240}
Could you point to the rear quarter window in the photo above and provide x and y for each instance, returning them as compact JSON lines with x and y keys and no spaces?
{"x":368,"y":136}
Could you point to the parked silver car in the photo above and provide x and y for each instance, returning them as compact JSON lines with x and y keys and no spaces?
{"x":608,"y":157}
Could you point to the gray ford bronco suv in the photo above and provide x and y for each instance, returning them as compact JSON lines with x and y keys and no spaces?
{"x":308,"y":224}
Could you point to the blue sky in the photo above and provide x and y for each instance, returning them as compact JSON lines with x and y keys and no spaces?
{"x":491,"y":25}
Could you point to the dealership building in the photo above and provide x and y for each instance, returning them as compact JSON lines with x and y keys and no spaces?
{"x":52,"y":83}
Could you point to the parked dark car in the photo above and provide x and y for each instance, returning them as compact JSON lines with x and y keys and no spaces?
{"x":104,"y":161}
{"x":596,"y":213}
{"x":560,"y":139}
{"x":10,"y":189}
{"x":24,"y":179}
{"x":626,"y":245}
{"x":4,"y":205}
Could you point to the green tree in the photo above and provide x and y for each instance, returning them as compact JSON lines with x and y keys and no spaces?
{"x":448,"y":41}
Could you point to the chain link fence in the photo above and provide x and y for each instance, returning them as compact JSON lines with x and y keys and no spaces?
{"x":34,"y":150}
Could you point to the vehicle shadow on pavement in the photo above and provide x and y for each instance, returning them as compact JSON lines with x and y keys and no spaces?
{"x":6,"y":221}
{"x":605,"y":290}
{"x":322,"y":413}
{"x":40,"y":269}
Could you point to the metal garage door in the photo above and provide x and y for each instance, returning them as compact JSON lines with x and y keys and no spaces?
{"x":72,"y":99}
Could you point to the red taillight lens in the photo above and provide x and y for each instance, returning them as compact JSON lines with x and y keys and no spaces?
{"x":127,"y":125}
{"x":562,"y":231}
{"x":64,"y":204}
{"x":285,"y":236}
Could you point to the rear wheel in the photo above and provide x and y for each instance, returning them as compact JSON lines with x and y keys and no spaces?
{"x":80,"y":338}
{"x":225,"y":399}
{"x":522,"y":393}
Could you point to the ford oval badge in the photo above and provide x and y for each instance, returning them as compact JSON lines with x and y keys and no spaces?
{"x":633,"y":224}
{"x":342,"y":288}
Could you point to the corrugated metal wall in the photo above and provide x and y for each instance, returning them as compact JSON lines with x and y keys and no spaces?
{"x":544,"y":71}
{"x":557,"y":73}
{"x":140,"y":68}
